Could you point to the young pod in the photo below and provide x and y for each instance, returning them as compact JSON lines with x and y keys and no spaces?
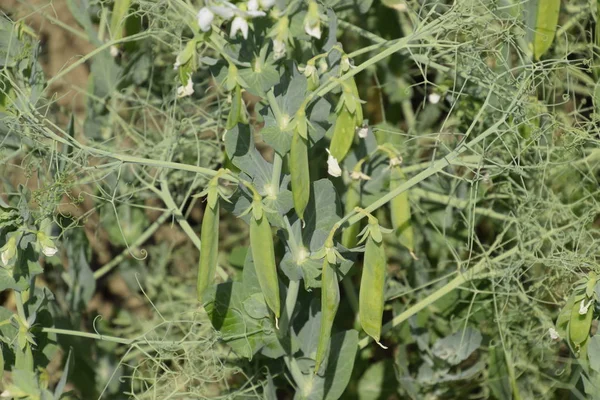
{"x":400,"y":211}
{"x":343,"y":134}
{"x":298,"y":163}
{"x":370,"y":302}
{"x":350,"y":234}
{"x":330,"y":300}
{"x":581,"y":321}
{"x":209,"y":242}
{"x":263,"y":253}
{"x":236,"y":113}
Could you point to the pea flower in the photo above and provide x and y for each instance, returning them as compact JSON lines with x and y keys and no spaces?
{"x":8,"y":251}
{"x":187,"y":90}
{"x":553,"y":334}
{"x":46,"y":244}
{"x":205,"y":18}
{"x":114,"y":51}
{"x":333,"y":167}
{"x":434,"y":98}
{"x":240,"y":22}
{"x":312,"y":22}
{"x":358,"y":175}
{"x":583,"y":308}
{"x":394,"y":162}
{"x":363,"y":132}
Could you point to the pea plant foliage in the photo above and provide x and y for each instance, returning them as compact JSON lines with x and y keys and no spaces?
{"x":415,"y":183}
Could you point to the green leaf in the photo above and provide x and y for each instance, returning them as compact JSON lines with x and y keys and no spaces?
{"x":242,"y":152}
{"x":261,"y":77}
{"x":321,"y":213}
{"x":594,"y":352}
{"x":378,"y":381}
{"x":457,"y":347}
{"x":333,"y":382}
{"x":224,"y":305}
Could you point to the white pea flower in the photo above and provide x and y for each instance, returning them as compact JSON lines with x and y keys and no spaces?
{"x":187,"y":90}
{"x":225,"y":9}
{"x":583,"y":308}
{"x":553,"y":334}
{"x":114,"y":51}
{"x":205,"y":18}
{"x":314,"y":31}
{"x":46,"y":244}
{"x":239,"y":24}
{"x":8,"y":251}
{"x":363,"y":132}
{"x":177,"y":64}
{"x":333,"y":167}
{"x":266,"y":4}
{"x":278,"y":49}
{"x":312,"y":22}
{"x":434,"y":98}
{"x":345,"y":64}
{"x":252,"y":5}
{"x":6,"y":394}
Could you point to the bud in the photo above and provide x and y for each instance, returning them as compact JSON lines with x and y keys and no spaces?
{"x":312,"y":22}
{"x":359,"y":176}
{"x":8,"y":251}
{"x":46,"y":244}
{"x":553,"y":334}
{"x":333,"y":167}
{"x":310,"y":72}
{"x":362,"y":131}
{"x":323,"y":67}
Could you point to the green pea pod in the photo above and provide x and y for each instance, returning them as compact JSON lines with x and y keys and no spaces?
{"x":579,"y":326}
{"x":343,"y":134}
{"x":236,"y":112}
{"x":400,"y":211}
{"x":358,"y":106}
{"x":119,"y":18}
{"x":209,"y":244}
{"x":370,"y":302}
{"x":263,"y":253}
{"x":330,"y":300}
{"x":300,"y":173}
{"x":350,"y":234}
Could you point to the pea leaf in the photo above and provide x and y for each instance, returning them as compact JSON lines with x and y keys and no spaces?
{"x":240,"y":147}
{"x":331,"y":385}
{"x":457,"y":347}
{"x":594,"y":352}
{"x":378,"y":381}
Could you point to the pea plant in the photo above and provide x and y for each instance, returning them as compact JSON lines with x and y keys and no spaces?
{"x":396,"y":199}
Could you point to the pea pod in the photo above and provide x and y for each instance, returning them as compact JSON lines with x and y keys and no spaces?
{"x":209,"y":242}
{"x":236,"y":113}
{"x":580,"y":324}
{"x":350,"y":234}
{"x":400,"y":211}
{"x":343,"y":134}
{"x":263,"y":253}
{"x":330,"y":300}
{"x":372,"y":283}
{"x":300,"y":173}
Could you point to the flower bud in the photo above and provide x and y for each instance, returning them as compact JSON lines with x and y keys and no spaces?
{"x":46,"y":244}
{"x":8,"y":251}
{"x":312,"y":22}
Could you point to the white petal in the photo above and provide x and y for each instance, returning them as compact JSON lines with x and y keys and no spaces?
{"x":254,"y":14}
{"x":205,"y":18}
{"x":6,"y":394}
{"x":177,"y":64}
{"x":363,"y":132}
{"x":553,"y":334}
{"x":49,"y":251}
{"x":187,"y":90}
{"x":226,"y":11}
{"x":252,"y":5}
{"x":266,"y":4}
{"x":434,"y":98}
{"x":583,"y":308}
{"x":239,"y":24}
{"x":333,"y":167}
{"x":114,"y":51}
{"x":395,"y":161}
{"x":314,"y":31}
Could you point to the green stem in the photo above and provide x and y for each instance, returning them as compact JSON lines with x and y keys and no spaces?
{"x":20,"y":306}
{"x":290,"y":304}
{"x":43,"y":122}
{"x":276,"y":177}
{"x":106,"y":268}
